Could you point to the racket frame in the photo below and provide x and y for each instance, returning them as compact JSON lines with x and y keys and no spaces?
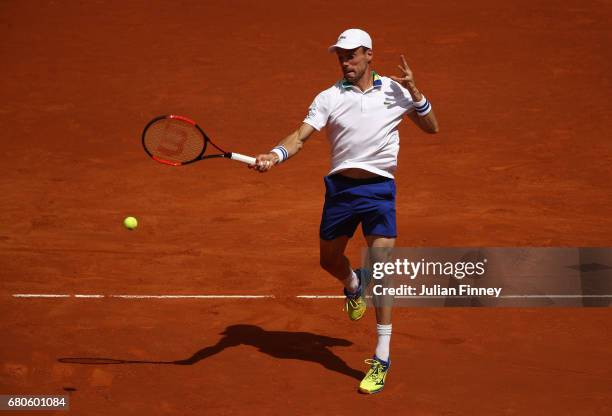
{"x":228,"y":155}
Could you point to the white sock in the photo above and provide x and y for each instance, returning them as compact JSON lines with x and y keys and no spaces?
{"x":384,"y":339}
{"x":352,"y":282}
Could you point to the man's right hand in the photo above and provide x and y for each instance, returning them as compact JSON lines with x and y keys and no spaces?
{"x":264,"y":162}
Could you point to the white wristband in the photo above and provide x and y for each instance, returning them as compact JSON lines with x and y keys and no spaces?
{"x":281,"y":152}
{"x":422,"y":107}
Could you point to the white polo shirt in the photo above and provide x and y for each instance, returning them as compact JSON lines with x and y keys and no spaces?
{"x":362,"y":126}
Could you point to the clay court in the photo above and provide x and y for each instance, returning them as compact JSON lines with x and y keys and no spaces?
{"x":522,"y":92}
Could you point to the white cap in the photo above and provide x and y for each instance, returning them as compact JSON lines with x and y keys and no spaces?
{"x":351,"y":39}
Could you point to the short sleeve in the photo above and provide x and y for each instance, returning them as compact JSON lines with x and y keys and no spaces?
{"x":402,"y":96}
{"x":318,"y":112}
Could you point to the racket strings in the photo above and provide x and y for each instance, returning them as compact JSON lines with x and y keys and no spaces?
{"x":174,"y":140}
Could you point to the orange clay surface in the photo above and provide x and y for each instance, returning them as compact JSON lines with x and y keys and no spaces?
{"x":522,"y":92}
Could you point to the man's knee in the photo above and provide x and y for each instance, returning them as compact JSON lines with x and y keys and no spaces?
{"x":331,"y":254}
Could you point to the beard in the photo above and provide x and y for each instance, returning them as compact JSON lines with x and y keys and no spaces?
{"x":354,"y":75}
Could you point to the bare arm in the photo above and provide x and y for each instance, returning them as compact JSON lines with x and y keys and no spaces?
{"x":428,"y":122}
{"x":293,"y":143}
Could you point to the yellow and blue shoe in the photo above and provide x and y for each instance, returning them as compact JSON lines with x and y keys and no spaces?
{"x":355,"y":304}
{"x":374,"y":380}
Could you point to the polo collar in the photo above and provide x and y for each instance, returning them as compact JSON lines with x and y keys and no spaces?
{"x":376,"y":82}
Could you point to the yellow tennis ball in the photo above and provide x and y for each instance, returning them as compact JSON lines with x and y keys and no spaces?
{"x":130,"y":223}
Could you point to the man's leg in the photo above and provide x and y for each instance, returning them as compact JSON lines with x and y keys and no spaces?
{"x":333,"y":260}
{"x":374,"y":380}
{"x":382,"y":247}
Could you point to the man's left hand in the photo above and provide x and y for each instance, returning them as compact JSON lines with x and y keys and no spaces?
{"x":407,"y":80}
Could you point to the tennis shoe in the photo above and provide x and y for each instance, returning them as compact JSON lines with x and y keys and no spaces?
{"x":374,"y":380}
{"x":355,"y":304}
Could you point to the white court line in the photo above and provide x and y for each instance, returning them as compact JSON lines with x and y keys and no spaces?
{"x":95,"y":296}
{"x":192,"y":296}
{"x":502,"y":296}
{"x":319,"y":297}
{"x":80,"y":296}
{"x":555,"y":296}
{"x":459,"y":297}
{"x":38,"y":295}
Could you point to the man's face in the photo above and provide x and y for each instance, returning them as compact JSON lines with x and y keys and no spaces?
{"x":354,"y":62}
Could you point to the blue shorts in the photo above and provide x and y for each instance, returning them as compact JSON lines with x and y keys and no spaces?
{"x":349,"y":202}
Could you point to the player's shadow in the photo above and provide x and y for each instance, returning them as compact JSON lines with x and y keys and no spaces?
{"x":303,"y":346}
{"x":395,"y":97}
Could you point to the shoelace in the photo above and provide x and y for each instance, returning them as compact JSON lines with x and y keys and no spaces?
{"x":376,"y":367}
{"x":352,"y":302}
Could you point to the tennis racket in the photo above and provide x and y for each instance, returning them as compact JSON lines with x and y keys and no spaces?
{"x":176,"y":140}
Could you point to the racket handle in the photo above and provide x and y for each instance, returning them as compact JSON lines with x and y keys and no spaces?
{"x":242,"y":158}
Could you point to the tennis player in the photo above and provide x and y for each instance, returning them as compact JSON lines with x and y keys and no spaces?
{"x":361,"y":112}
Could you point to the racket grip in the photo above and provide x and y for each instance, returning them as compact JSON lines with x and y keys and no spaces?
{"x":242,"y":158}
